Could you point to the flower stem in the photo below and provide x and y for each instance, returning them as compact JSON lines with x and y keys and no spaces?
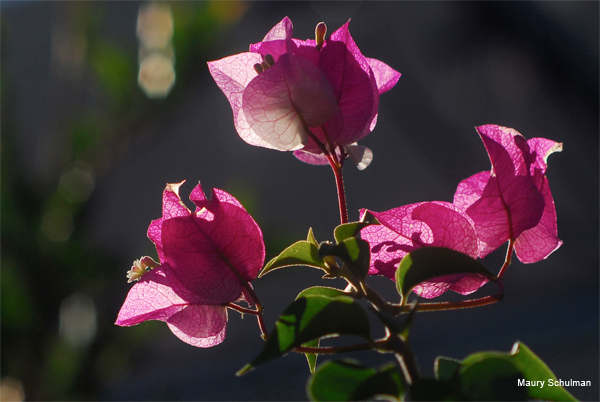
{"x":395,"y":309}
{"x":508,"y":259}
{"x":336,"y":165}
{"x":443,"y":306}
{"x":339,"y":182}
{"x":264,"y":332}
{"x":241,"y":309}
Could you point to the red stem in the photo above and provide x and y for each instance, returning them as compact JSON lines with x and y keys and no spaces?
{"x":395,"y":309}
{"x":241,"y":309}
{"x":339,"y":182}
{"x":336,"y":165}
{"x":443,"y":306}
{"x":508,"y":259}
{"x":264,"y":332}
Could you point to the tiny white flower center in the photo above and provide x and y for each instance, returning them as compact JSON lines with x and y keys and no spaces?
{"x":140,"y":267}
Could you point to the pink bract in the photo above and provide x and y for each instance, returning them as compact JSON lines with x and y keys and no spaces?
{"x":207,"y":259}
{"x":513,"y":200}
{"x":407,"y":228}
{"x":332,"y":92}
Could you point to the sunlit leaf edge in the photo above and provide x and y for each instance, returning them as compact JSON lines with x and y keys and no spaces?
{"x":339,"y":314}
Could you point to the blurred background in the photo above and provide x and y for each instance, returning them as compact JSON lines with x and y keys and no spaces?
{"x":103,"y":103}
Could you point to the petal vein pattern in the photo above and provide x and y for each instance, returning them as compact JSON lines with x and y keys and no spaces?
{"x":281,"y":102}
{"x":207,"y":258}
{"x":232,"y":74}
{"x":304,"y":93}
{"x":513,"y":200}
{"x":424,"y":224}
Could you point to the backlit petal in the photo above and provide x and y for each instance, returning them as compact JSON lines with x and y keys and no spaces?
{"x":279,"y":102}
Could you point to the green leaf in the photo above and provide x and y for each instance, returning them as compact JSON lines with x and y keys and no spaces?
{"x":311,"y":238}
{"x":347,"y":230}
{"x":312,"y":357}
{"x":492,"y":377}
{"x":427,"y":263}
{"x":517,"y":375}
{"x":303,"y":252}
{"x":533,"y":368}
{"x":346,"y":380}
{"x":323,"y":291}
{"x":445,"y":368}
{"x":317,"y":312}
{"x":352,"y":229}
{"x":356,"y":253}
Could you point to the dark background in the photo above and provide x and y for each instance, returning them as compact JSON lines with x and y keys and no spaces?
{"x":532,"y":66}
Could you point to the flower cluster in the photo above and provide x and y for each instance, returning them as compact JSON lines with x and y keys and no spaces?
{"x":308,"y":96}
{"x":512,"y":202}
{"x":318,"y":98}
{"x":207,"y":259}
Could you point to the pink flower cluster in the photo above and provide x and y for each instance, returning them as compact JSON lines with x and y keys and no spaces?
{"x":318,"y":98}
{"x":512,"y":202}
{"x":305,"y":95}
{"x":207,"y":259}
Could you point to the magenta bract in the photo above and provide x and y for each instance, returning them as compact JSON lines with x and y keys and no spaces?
{"x":332,"y":91}
{"x":513,"y":200}
{"x":206,"y":259}
{"x":407,"y":228}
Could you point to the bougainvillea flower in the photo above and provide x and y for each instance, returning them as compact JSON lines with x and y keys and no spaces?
{"x":513,"y":200}
{"x":424,"y":224}
{"x":294,"y":95}
{"x":207,"y":259}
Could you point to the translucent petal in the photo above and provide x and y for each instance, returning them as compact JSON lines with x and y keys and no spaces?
{"x":385,"y":76}
{"x":353,"y":84}
{"x":311,"y":158}
{"x":510,"y":202}
{"x":407,"y":228}
{"x":361,"y":156}
{"x":200,"y":326}
{"x":152,"y":298}
{"x":206,"y":259}
{"x":232,"y":74}
{"x":539,"y":242}
{"x":279,"y":102}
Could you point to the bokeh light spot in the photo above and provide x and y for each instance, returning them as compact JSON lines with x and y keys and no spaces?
{"x":78,"y":319}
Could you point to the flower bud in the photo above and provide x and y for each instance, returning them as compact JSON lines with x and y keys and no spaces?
{"x":320,"y":32}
